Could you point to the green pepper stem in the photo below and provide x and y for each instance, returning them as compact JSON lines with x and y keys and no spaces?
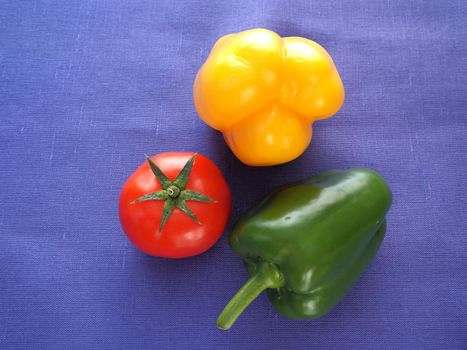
{"x":265,"y":276}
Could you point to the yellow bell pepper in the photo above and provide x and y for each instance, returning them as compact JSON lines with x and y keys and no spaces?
{"x":263,"y":92}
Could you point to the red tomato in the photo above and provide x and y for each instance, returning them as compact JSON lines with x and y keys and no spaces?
{"x":181,"y":236}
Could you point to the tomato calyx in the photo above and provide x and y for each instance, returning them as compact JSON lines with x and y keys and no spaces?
{"x":174,"y":193}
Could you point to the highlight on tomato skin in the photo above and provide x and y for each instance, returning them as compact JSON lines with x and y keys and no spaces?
{"x":263,"y":92}
{"x":175,"y":205}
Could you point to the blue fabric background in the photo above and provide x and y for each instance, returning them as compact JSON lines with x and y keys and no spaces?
{"x":88,"y":87}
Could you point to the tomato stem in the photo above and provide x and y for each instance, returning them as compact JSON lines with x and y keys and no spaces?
{"x":174,"y":193}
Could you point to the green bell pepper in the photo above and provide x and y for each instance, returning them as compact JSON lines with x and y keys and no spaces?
{"x":307,"y":243}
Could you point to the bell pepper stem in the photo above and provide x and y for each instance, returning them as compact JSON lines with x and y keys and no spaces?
{"x":265,"y":276}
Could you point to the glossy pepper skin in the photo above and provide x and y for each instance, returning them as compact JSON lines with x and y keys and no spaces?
{"x":307,"y":243}
{"x":263,"y":92}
